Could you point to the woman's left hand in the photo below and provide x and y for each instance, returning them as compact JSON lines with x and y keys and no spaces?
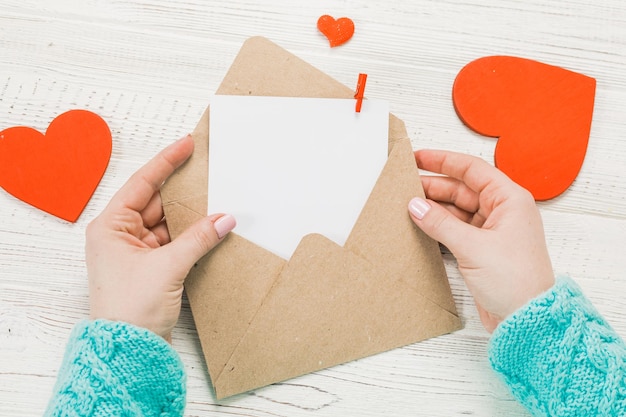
{"x":136,"y":274}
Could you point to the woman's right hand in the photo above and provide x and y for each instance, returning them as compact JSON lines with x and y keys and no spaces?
{"x":491,"y":225}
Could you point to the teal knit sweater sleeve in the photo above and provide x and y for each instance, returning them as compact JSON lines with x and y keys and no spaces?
{"x":560,"y":357}
{"x":116,"y":369}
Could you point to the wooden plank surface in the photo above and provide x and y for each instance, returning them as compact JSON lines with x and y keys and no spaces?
{"x":149,"y":68}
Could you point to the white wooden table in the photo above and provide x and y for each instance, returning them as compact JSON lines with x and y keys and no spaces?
{"x":149,"y":67}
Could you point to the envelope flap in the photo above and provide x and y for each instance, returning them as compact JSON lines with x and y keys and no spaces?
{"x":263,"y":68}
{"x":329,"y":306}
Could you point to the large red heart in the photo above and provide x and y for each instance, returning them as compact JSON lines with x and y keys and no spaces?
{"x":336,"y":31}
{"x":59,"y":171}
{"x":541,"y":114}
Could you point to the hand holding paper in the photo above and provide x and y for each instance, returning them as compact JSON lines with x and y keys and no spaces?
{"x":135,"y":273}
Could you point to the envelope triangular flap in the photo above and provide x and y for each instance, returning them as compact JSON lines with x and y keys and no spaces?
{"x":241,"y":294}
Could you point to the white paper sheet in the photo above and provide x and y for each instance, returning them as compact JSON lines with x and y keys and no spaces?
{"x":286,"y":167}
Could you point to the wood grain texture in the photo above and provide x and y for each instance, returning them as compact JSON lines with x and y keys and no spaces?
{"x":149,"y":67}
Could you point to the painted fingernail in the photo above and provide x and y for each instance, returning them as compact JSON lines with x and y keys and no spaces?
{"x":224,"y":225}
{"x":419,"y":207}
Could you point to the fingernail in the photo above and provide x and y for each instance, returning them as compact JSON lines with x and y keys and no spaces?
{"x":224,"y":225}
{"x":188,"y":135}
{"x":419,"y":207}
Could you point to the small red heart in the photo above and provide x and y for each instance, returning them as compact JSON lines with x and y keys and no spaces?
{"x":336,"y":31}
{"x":59,"y":171}
{"x":541,"y":114}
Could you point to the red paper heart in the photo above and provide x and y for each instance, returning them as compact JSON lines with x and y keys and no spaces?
{"x":541,"y":114}
{"x":59,"y":171}
{"x":336,"y":31}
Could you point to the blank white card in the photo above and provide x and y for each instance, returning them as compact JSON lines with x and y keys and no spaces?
{"x":286,"y":167}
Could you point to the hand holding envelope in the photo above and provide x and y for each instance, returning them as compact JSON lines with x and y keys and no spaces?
{"x":262,"y":319}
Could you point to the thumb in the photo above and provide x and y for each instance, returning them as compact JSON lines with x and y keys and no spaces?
{"x":200,"y":238}
{"x":440,"y":224}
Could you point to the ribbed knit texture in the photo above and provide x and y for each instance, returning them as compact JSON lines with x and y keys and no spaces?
{"x":116,"y":369}
{"x":560,"y":358}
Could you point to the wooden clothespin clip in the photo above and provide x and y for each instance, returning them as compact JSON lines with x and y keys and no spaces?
{"x":360,"y":91}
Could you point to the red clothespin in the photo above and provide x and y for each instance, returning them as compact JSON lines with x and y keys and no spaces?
{"x":360,"y":91}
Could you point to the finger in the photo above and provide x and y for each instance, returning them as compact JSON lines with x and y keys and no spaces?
{"x":460,"y":214}
{"x":199,"y":239}
{"x":474,"y":172}
{"x":152,"y":214}
{"x":161,"y":233}
{"x":475,"y":219}
{"x":451,"y":190}
{"x":150,"y":240}
{"x":156,"y":236}
{"x":441,"y":225}
{"x":144,"y":183}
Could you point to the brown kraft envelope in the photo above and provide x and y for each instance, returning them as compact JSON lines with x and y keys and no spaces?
{"x":262,"y":319}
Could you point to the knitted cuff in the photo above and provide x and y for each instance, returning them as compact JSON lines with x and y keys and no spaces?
{"x":114,"y":368}
{"x":559,"y":356}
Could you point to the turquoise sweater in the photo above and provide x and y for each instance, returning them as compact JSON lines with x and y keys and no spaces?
{"x":115,"y":369}
{"x":558,"y":356}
